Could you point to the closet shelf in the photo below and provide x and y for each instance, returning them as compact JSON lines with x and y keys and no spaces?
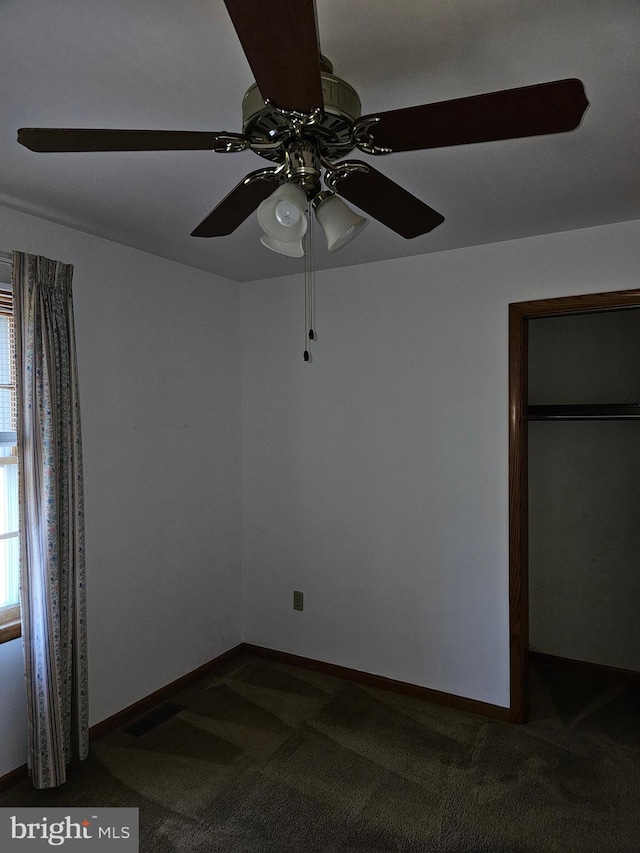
{"x":585,"y":412}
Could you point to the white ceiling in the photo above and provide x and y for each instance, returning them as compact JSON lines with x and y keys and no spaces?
{"x":169,"y":65}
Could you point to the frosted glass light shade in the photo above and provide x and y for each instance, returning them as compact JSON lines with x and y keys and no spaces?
{"x":291,"y":250}
{"x":339,"y":223}
{"x":282,"y":215}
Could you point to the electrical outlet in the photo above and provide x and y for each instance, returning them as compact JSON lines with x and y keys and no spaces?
{"x":298,"y":600}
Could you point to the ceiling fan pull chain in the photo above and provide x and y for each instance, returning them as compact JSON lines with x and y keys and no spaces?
{"x":306,"y":323}
{"x":307,"y":331}
{"x":312,"y":279}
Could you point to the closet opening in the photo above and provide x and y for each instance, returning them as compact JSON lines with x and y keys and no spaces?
{"x":564,"y":403}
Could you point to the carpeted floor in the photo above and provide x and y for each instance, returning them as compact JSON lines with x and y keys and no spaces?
{"x":268,"y":758}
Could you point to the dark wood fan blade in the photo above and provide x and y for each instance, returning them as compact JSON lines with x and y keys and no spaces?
{"x":236,"y":206}
{"x":280,"y":40}
{"x":387,"y":202}
{"x":529,"y":111}
{"x":56,"y":139}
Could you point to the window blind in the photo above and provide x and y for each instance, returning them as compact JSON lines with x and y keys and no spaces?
{"x":9,"y":545}
{"x":6,"y":263}
{"x":8,"y":399}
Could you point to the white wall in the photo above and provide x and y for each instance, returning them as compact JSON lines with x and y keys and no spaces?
{"x":375,"y":477}
{"x":13,"y":730}
{"x":158,"y":358}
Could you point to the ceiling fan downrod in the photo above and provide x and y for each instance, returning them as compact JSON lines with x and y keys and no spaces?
{"x":302,"y":165}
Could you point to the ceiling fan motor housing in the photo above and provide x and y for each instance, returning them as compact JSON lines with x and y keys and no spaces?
{"x":332,"y":133}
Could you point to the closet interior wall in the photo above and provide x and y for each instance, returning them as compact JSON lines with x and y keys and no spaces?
{"x":584,"y":490}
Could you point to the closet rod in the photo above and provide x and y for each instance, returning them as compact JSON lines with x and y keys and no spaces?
{"x":584,"y":412}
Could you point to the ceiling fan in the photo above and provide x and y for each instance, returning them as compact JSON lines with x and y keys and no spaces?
{"x":302,"y":118}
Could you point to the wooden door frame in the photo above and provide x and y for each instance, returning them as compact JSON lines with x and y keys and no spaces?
{"x":519,"y":315}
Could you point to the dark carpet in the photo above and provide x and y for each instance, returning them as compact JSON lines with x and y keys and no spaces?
{"x":267,"y":758}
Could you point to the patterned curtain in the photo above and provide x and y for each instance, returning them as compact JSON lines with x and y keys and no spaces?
{"x":51,"y":518}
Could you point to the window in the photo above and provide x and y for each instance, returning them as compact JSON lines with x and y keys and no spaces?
{"x":9,"y":541}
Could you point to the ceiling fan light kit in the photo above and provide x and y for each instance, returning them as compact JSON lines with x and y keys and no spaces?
{"x":339,"y":223}
{"x":303,"y":119}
